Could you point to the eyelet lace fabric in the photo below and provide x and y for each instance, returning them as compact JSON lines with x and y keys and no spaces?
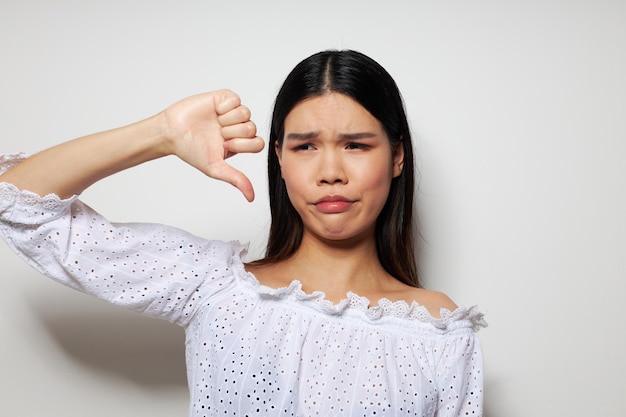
{"x":251,"y":349}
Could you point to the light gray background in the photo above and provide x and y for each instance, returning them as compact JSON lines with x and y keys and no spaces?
{"x":519,"y":115}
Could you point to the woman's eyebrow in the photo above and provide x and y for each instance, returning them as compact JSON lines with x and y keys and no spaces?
{"x":302,"y":136}
{"x":360,"y":135}
{"x":344,"y":136}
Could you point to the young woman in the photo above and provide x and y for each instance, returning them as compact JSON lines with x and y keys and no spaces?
{"x":332,"y":321}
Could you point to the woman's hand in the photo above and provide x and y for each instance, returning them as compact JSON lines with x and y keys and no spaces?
{"x":205,"y":129}
{"x":202,"y":130}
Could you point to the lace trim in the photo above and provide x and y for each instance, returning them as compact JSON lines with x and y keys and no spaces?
{"x":50,"y":202}
{"x":9,"y":192}
{"x":386,"y":308}
{"x":9,"y":160}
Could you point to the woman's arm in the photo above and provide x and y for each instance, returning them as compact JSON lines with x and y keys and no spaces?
{"x":459,"y":370}
{"x":202,"y":130}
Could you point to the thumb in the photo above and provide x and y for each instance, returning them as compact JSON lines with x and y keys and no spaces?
{"x":224,"y":172}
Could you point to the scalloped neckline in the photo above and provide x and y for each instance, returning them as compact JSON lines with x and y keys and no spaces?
{"x":399,"y":309}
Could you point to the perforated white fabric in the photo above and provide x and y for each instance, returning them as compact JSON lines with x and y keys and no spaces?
{"x":251,"y":349}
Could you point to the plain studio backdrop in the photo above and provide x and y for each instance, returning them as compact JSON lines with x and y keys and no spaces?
{"x":518,"y":110}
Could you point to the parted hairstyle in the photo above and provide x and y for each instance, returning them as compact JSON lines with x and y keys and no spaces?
{"x":368,"y":83}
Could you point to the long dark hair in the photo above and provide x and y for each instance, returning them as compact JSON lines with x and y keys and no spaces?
{"x":365,"y":81}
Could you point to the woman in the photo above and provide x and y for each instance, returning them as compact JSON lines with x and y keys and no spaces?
{"x":332,"y":321}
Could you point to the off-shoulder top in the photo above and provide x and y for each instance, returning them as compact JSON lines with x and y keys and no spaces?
{"x":252,"y":349}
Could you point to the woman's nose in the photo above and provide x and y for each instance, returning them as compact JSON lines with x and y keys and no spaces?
{"x":331,"y":169}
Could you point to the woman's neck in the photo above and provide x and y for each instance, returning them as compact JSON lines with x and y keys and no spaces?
{"x":337,"y":267}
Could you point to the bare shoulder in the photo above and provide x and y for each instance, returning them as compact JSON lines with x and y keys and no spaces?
{"x":270,"y":275}
{"x":433,"y":301}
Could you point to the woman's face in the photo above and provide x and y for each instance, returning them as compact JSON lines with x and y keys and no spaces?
{"x":337,"y":164}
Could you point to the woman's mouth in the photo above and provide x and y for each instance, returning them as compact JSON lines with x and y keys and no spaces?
{"x":333,"y":204}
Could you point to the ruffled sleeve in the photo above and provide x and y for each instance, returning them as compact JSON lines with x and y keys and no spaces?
{"x":153,"y":269}
{"x":458,"y":362}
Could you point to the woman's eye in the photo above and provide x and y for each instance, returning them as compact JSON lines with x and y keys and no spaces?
{"x":356,"y":145}
{"x":304,"y":147}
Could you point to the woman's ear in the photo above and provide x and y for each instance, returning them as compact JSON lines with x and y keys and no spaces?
{"x":279,"y":156}
{"x":278,"y":151}
{"x":398,"y":159}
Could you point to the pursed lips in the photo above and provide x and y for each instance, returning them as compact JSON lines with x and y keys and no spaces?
{"x":333,"y":203}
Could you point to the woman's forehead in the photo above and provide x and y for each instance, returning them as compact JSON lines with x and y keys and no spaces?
{"x":330,"y":113}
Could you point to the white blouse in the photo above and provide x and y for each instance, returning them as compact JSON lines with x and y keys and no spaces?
{"x":251,"y":349}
